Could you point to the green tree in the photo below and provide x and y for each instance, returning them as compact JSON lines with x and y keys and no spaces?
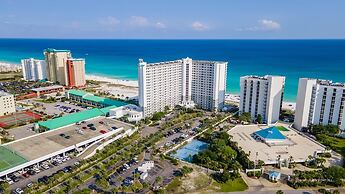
{"x":279,"y":192}
{"x":5,"y":188}
{"x":259,"y":119}
{"x":158,"y":179}
{"x":245,"y":117}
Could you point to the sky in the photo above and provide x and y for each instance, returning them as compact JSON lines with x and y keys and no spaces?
{"x":173,"y":19}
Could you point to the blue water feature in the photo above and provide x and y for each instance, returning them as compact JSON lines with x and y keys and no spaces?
{"x":187,"y":152}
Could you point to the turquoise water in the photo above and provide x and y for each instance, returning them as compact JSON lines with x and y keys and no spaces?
{"x":323,"y":59}
{"x":186,"y":152}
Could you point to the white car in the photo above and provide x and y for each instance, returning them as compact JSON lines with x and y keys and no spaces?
{"x":29,"y":185}
{"x":36,"y":170}
{"x":19,"y":191}
{"x":45,"y":166}
{"x":9,"y":181}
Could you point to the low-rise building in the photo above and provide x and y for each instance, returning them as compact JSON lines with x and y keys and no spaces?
{"x":92,"y":100}
{"x":7,"y":103}
{"x":146,"y":166}
{"x":48,"y":90}
{"x":131,"y":111}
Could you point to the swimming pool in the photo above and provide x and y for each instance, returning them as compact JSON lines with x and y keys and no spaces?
{"x":187,"y":152}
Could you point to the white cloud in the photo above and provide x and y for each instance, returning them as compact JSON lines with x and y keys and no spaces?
{"x":140,"y":21}
{"x":109,"y":21}
{"x":160,"y":25}
{"x":199,"y":26}
{"x":269,"y":24}
{"x":263,"y":25}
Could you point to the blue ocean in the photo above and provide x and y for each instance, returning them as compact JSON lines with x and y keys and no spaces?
{"x":324,"y":59}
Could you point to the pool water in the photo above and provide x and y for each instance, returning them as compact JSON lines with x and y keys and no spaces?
{"x":187,"y":152}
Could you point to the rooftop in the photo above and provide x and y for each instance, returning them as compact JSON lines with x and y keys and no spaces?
{"x":76,"y":59}
{"x":271,"y":133}
{"x":46,"y":143}
{"x":3,"y":93}
{"x":51,"y":50}
{"x":259,"y":77}
{"x":141,"y":61}
{"x":97,"y":99}
{"x":71,"y":118}
{"x":47,"y":88}
{"x":330,"y":83}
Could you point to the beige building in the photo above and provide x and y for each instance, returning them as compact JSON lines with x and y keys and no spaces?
{"x":76,"y":72}
{"x":56,"y":65}
{"x":7,"y":103}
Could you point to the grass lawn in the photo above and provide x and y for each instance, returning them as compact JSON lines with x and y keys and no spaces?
{"x":335,"y":143}
{"x":230,"y":186}
{"x":173,"y":186}
{"x":281,"y":128}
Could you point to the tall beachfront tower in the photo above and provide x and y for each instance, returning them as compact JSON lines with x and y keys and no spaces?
{"x":262,"y":96}
{"x":181,"y":82}
{"x":56,"y":65}
{"x":76,"y":72}
{"x":319,"y":102}
{"x":34,"y":69}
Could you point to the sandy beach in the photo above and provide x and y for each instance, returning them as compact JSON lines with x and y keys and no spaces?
{"x":130,"y":83}
{"x":235,"y":99}
{"x":119,"y":88}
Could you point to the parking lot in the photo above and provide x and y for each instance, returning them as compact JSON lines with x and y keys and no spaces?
{"x":178,"y":134}
{"x":55,"y":108}
{"x":299,"y":150}
{"x":43,"y":145}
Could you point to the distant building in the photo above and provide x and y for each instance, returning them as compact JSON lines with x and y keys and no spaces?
{"x":319,"y":102}
{"x":76,"y":72}
{"x":7,"y":103}
{"x":34,"y":69}
{"x":183,"y":82}
{"x":262,"y":96}
{"x":56,"y":65}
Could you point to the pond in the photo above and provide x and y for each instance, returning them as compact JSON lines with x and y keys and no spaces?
{"x":187,"y":152}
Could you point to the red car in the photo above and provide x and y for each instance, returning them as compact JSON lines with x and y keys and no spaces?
{"x":101,"y":122}
{"x":26,"y":175}
{"x":103,"y":131}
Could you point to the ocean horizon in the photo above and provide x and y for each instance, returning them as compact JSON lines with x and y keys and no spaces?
{"x":117,"y":58}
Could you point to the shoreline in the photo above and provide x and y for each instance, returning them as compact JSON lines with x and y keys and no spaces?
{"x":134,"y":83}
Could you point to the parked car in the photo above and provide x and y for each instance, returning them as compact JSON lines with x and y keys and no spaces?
{"x":19,"y":190}
{"x":29,"y":185}
{"x":103,"y":131}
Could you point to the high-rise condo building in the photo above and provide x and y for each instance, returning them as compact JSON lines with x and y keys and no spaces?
{"x":181,"y":82}
{"x":7,"y":103}
{"x":76,"y":72}
{"x":319,"y":102}
{"x":34,"y":69}
{"x":56,"y":65}
{"x":262,"y":96}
